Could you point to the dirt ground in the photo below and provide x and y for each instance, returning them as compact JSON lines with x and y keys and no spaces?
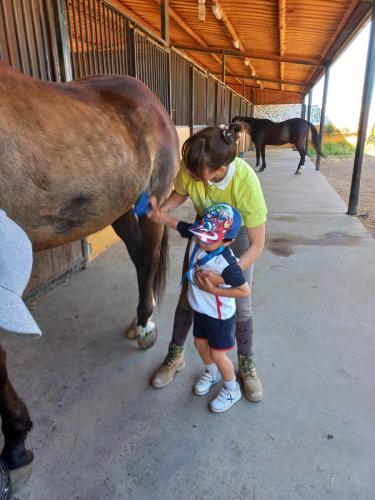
{"x":338,"y":171}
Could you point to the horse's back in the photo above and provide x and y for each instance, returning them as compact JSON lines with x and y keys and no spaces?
{"x":74,"y":157}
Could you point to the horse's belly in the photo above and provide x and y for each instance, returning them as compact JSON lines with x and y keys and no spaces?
{"x":60,"y":211}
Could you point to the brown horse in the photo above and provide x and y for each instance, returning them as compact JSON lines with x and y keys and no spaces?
{"x":73,"y":159}
{"x":266,"y":132}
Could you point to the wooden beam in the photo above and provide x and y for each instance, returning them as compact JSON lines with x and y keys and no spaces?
{"x":266,"y":79}
{"x":340,"y":26}
{"x":233,"y":33}
{"x":255,"y":89}
{"x":190,"y":32}
{"x":135,"y":18}
{"x":228,"y":24}
{"x":282,"y":37}
{"x":355,"y":20}
{"x":252,"y":55}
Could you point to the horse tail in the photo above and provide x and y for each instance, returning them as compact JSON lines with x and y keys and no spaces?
{"x":162,"y":268}
{"x":315,"y":139}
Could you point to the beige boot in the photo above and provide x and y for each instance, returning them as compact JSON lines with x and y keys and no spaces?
{"x":173,"y":363}
{"x":250,"y":380}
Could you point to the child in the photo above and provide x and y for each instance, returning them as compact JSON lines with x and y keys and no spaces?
{"x":214,"y":306}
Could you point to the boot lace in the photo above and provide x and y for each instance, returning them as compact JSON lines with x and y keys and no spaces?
{"x":173,"y":351}
{"x":248,"y":367}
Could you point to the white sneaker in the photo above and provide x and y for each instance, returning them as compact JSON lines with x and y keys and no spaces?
{"x":225,"y":399}
{"x":205,"y":383}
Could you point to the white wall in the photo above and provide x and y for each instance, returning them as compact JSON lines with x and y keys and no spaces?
{"x":281,"y":112}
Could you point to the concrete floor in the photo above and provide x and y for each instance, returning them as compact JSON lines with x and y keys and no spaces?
{"x":102,"y":432}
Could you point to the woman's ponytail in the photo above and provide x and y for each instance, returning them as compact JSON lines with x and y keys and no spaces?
{"x":231,"y":133}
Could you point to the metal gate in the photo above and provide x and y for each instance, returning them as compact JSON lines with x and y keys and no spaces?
{"x":26,"y":37}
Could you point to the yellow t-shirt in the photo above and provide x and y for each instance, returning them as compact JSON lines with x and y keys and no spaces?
{"x":243,"y":192}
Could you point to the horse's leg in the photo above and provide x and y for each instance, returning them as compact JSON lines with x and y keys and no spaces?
{"x":127,"y":228}
{"x":263,"y":152}
{"x":143,"y":241}
{"x":151,"y":278}
{"x":300,"y":148}
{"x":257,"y":152}
{"x":16,"y":421}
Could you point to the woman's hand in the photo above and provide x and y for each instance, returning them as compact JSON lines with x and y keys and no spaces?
{"x":216,"y":279}
{"x":155,"y":213}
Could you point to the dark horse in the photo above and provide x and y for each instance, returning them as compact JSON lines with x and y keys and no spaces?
{"x":74,"y":158}
{"x":265,"y":132}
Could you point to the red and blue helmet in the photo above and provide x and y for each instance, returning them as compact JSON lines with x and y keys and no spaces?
{"x":220,"y":221}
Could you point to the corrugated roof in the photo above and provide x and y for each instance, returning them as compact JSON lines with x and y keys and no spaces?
{"x":272,"y":35}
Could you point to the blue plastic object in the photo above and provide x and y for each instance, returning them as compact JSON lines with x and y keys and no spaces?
{"x":142,"y":205}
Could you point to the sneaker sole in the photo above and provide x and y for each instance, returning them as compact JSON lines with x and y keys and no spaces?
{"x":208,"y":390}
{"x":161,"y":386}
{"x":227,"y":408}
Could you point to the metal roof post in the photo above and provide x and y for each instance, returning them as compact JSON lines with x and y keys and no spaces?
{"x":191,"y":99}
{"x":308,"y":116}
{"x":368,"y":85}
{"x":322,"y":117}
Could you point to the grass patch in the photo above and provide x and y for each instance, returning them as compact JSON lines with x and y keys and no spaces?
{"x":334,"y":149}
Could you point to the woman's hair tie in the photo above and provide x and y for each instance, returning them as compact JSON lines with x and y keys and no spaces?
{"x":226,"y":133}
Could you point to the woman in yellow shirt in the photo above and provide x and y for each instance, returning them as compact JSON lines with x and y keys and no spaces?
{"x":211,"y":173}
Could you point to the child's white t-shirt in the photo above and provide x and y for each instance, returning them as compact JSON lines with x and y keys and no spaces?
{"x":224,"y":264}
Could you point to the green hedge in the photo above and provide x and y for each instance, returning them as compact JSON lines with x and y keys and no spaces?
{"x":334,"y":149}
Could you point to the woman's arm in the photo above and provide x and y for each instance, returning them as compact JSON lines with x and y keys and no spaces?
{"x":175,"y":200}
{"x":257,"y":236}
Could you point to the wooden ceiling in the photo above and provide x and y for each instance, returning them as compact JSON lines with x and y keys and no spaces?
{"x":284,"y":43}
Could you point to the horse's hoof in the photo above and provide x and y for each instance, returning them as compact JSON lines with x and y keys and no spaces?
{"x":298,"y":172}
{"x":131,"y":331}
{"x":148,"y":340}
{"x":17,"y":457}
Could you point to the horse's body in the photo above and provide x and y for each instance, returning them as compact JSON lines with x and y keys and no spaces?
{"x":265,"y":132}
{"x":73,"y":159}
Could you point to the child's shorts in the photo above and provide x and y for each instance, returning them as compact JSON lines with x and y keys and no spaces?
{"x":220,"y":333}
